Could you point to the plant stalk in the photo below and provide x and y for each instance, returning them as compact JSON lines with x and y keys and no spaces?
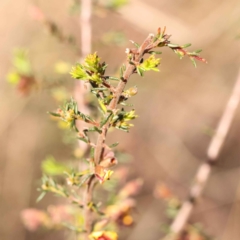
{"x":87,"y":209}
{"x":130,"y":69}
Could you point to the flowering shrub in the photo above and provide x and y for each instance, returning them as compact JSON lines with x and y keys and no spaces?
{"x":94,"y":220}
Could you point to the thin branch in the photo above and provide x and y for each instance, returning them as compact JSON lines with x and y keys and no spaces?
{"x":86,"y":27}
{"x":87,"y":209}
{"x":130,"y":69}
{"x":204,"y":170}
{"x":86,"y":48}
{"x":80,"y":91}
{"x":135,"y":64}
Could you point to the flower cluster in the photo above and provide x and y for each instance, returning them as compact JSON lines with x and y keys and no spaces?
{"x":69,"y":113}
{"x":91,"y":70}
{"x":148,"y":64}
{"x":121,"y":118}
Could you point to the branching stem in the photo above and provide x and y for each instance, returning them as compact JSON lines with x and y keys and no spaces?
{"x":130,"y":69}
{"x":87,"y":210}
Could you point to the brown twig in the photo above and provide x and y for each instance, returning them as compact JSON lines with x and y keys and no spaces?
{"x":133,"y":65}
{"x":80,"y":91}
{"x":130,"y":69}
{"x":204,"y":170}
{"x":86,"y":48}
{"x":87,"y":209}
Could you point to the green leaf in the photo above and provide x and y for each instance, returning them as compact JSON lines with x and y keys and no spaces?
{"x":121,"y":72}
{"x":113,"y":78}
{"x":186,"y":45}
{"x":54,"y":114}
{"x":101,"y":111}
{"x":89,"y":118}
{"x":95,"y":129}
{"x":96,"y":209}
{"x":193,"y":61}
{"x":172,"y":45}
{"x":104,"y":66}
{"x":198,"y":51}
{"x":126,"y":104}
{"x":75,"y":108}
{"x":84,"y":179}
{"x":41,"y":196}
{"x":140,"y":71}
{"x":101,"y":89}
{"x":103,"y":107}
{"x":156,"y":38}
{"x":155,"y":52}
{"x":123,"y":128}
{"x":51,"y":182}
{"x":105,"y":120}
{"x":75,"y":128}
{"x":179,"y":53}
{"x":72,"y":125}
{"x":78,"y":72}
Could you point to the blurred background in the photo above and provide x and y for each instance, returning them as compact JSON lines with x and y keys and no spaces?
{"x":179,"y":108}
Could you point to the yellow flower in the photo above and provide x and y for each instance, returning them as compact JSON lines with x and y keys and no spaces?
{"x":102,"y":174}
{"x":104,"y":235}
{"x":69,"y":115}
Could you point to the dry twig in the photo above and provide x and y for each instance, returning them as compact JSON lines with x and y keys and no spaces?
{"x":80,"y":91}
{"x":204,"y":170}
